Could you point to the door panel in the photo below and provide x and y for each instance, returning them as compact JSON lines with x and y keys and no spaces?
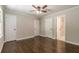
{"x":48,"y":28}
{"x":36,"y":27}
{"x":10,"y":27}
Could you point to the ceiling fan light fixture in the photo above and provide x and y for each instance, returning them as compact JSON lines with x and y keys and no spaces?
{"x":40,"y":9}
{"x":38,"y":12}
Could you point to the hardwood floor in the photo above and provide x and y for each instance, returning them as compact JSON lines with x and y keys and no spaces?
{"x":71,"y":48}
{"x":37,"y":44}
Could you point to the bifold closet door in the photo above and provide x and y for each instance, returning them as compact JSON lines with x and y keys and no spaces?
{"x":49,"y":27}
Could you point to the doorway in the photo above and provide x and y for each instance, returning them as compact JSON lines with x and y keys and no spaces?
{"x":61,"y":33}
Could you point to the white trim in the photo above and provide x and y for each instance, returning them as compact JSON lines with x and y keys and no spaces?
{"x":1,"y":47}
{"x":8,"y":40}
{"x":22,"y":38}
{"x":72,"y":42}
{"x":25,"y":37}
{"x":43,"y":35}
{"x":46,"y":36}
{"x":2,"y":43}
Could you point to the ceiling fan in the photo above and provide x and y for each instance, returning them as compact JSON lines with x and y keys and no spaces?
{"x":40,"y":9}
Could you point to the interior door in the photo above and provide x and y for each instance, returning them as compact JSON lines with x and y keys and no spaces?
{"x":10,"y":27}
{"x":49,"y":28}
{"x":36,"y":27}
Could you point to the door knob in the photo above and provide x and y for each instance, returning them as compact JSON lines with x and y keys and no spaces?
{"x":14,"y":29}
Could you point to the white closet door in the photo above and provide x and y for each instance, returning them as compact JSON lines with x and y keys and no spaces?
{"x":36,"y":27}
{"x":10,"y":27}
{"x":48,"y":28}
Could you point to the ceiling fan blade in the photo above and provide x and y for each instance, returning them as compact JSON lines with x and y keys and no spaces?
{"x":34,"y":6}
{"x":38,"y":8}
{"x":44,"y":11}
{"x":48,"y":9}
{"x":44,"y":6}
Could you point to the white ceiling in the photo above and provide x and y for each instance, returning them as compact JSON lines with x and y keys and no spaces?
{"x":27,"y":8}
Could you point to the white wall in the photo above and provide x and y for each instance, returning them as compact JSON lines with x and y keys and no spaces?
{"x":71,"y":23}
{"x":25,"y":25}
{"x":2,"y":36}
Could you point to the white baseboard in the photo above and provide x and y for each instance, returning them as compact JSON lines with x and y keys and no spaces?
{"x":1,"y":45}
{"x":21,"y":38}
{"x":72,"y":43}
{"x":47,"y":36}
{"x":25,"y":37}
{"x":43,"y":35}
